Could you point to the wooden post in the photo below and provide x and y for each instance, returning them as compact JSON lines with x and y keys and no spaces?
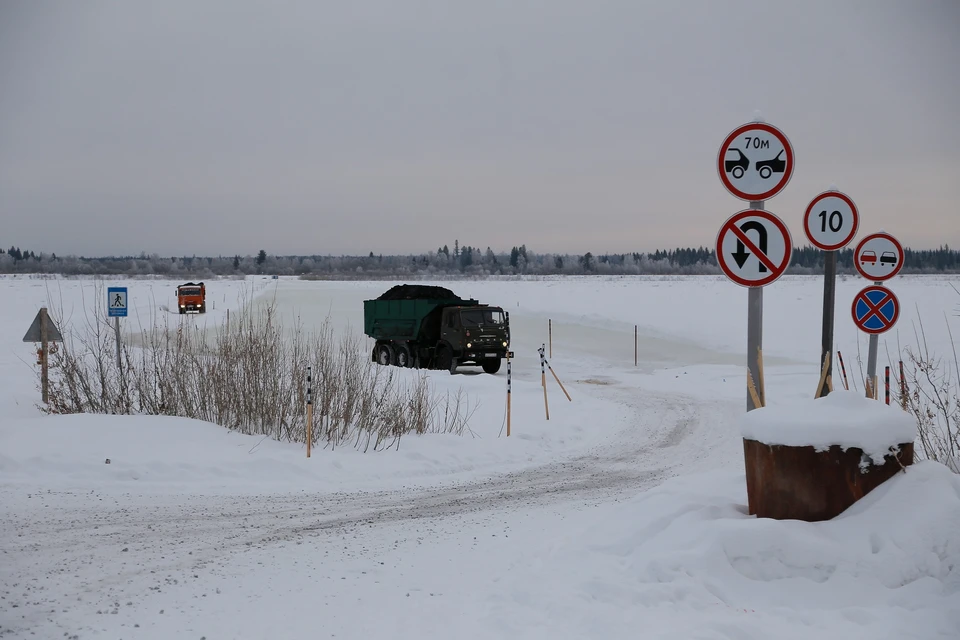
{"x":823,"y":375}
{"x":763,"y":385}
{"x":635,"y":339}
{"x":309,"y":410}
{"x":562,"y":388}
{"x":752,"y":391}
{"x":44,"y":364}
{"x":508,"y":396}
{"x":550,"y":335}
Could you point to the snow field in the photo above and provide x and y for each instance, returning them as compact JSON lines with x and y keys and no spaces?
{"x":622,"y":516}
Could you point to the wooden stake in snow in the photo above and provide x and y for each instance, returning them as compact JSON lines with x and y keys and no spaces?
{"x":823,"y":375}
{"x":44,"y":331}
{"x":558,"y":380}
{"x":763,"y":385}
{"x":309,"y":409}
{"x":752,"y":390}
{"x":635,"y":341}
{"x":550,"y":335}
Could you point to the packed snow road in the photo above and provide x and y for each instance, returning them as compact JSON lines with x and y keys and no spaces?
{"x":73,"y":554}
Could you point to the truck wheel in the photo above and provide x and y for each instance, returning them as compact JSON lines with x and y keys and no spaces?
{"x":203,"y":308}
{"x":384,"y":355}
{"x":403,"y":356}
{"x":491,"y":366}
{"x":445,"y":359}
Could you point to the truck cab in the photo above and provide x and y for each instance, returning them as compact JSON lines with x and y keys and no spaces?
{"x":476,"y":335}
{"x":192,"y":297}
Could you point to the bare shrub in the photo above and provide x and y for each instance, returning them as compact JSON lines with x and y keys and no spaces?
{"x":248,"y":375}
{"x":933,"y":397}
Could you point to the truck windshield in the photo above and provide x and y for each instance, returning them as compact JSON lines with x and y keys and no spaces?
{"x":189,"y":292}
{"x":478,"y":317}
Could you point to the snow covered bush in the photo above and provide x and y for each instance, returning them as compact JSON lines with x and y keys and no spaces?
{"x":249,"y":375}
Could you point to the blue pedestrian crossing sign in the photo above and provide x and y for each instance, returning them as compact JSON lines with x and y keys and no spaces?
{"x":117,"y":302}
{"x":875,"y":309}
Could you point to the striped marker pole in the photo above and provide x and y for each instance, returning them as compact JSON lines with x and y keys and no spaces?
{"x":543,"y":379}
{"x":843,"y":370}
{"x":309,"y":409}
{"x":886,"y":380}
{"x":508,"y":396}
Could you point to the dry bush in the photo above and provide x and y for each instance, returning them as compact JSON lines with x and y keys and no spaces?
{"x":933,"y":397}
{"x":249,"y":375}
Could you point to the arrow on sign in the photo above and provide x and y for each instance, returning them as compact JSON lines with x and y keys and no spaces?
{"x":741,"y":254}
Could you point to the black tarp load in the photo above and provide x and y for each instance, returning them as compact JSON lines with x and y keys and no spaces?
{"x":417,"y":292}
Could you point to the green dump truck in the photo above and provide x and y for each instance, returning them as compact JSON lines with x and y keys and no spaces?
{"x":432,"y":328}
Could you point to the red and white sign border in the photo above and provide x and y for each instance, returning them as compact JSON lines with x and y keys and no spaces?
{"x":853,"y":208}
{"x":875,"y":308}
{"x":900,"y":257}
{"x":733,"y":135}
{"x":775,"y":270}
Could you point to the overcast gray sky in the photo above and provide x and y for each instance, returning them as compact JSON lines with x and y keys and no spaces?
{"x":218,"y":127}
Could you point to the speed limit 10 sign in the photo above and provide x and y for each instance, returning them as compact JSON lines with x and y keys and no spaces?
{"x":831,"y":220}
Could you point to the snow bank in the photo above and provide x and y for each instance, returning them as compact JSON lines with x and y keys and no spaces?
{"x":685,"y":560}
{"x":843,"y":418}
{"x":162,"y":454}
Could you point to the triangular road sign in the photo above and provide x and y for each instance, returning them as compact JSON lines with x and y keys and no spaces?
{"x":33,"y":333}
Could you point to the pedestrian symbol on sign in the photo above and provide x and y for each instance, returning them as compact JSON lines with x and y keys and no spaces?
{"x":117,"y":302}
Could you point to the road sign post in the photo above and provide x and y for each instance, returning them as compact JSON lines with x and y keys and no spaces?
{"x":875,"y":310}
{"x":755,"y":162}
{"x":753,"y":249}
{"x":878,"y":257}
{"x":116,"y":309}
{"x":44,"y":331}
{"x":830,"y":222}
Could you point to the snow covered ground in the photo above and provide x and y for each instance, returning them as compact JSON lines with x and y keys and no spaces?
{"x":624,"y":515}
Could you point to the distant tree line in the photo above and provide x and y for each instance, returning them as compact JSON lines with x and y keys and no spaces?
{"x":461,"y":261}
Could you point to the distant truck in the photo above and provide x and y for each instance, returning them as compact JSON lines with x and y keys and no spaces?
{"x":432,"y":328}
{"x":192,"y":297}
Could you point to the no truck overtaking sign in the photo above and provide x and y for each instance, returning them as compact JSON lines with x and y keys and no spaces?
{"x":754,"y":247}
{"x":755,"y":161}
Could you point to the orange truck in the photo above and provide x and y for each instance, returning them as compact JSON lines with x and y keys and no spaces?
{"x":192,"y":297}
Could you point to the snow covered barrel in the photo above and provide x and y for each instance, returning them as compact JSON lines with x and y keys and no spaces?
{"x":813,"y":459}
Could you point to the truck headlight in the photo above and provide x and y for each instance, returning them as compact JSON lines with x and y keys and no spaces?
{"x":504,"y":343}
{"x":469,"y":346}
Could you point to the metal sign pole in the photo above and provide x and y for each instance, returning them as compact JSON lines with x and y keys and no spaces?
{"x":829,"y":303}
{"x":117,"y":329}
{"x":872,"y":363}
{"x":754,"y":330}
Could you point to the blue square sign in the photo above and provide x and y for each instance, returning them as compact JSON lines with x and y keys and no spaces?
{"x":117,"y":302}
